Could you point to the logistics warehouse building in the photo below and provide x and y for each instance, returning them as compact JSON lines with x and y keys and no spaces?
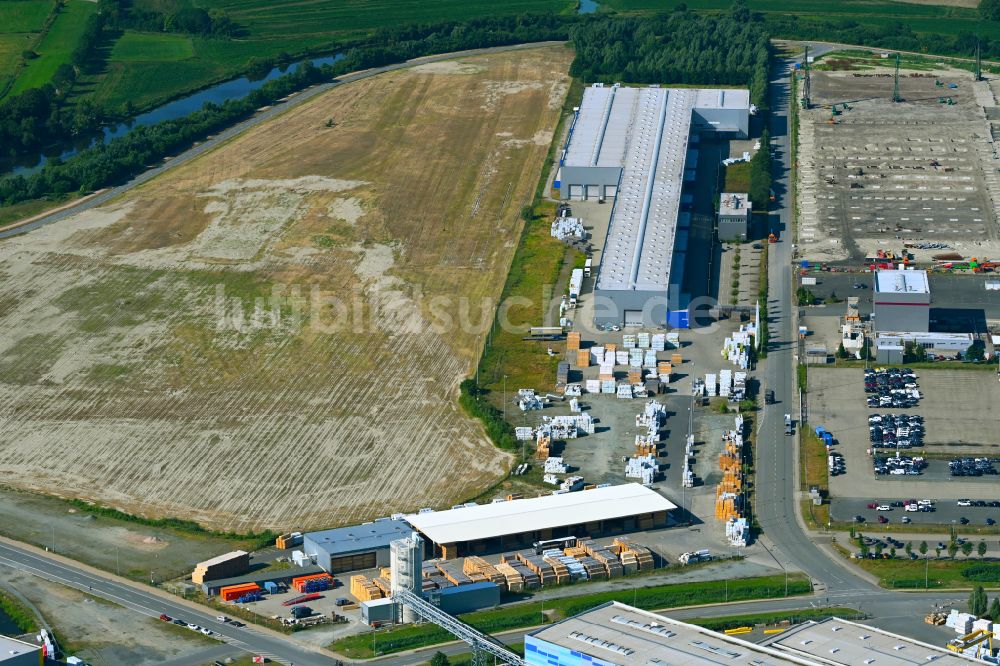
{"x":902,"y":301}
{"x":518,"y":523}
{"x":637,"y":146}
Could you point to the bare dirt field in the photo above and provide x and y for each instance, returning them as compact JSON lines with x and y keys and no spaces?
{"x":261,"y":338}
{"x":921,"y":171}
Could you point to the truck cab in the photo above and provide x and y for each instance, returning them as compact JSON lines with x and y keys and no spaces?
{"x":769,"y":397}
{"x":789,"y":428}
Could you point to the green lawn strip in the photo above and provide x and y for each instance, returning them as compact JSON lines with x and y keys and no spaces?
{"x":534,"y":613}
{"x":22,"y":16}
{"x":737,"y":177}
{"x":10,"y":214}
{"x":925,"y":365}
{"x":943,"y":572}
{"x":18,"y":613}
{"x":57,"y":45}
{"x":777,"y":617}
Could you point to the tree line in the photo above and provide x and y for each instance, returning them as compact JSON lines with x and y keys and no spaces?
{"x":41,"y":116}
{"x":123,"y":157}
{"x":677,"y":47}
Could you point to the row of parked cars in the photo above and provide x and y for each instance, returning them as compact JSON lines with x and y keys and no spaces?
{"x":194,"y":627}
{"x":892,"y":387}
{"x":971,"y":466}
{"x":899,"y":431}
{"x":899,"y":465}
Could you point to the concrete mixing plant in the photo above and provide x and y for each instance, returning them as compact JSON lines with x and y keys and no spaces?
{"x":406,"y":556}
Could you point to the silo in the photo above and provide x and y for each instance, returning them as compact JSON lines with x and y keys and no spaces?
{"x":407,"y":562}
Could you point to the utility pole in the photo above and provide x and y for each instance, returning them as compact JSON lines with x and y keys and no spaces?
{"x":979,"y":63}
{"x":806,"y":87}
{"x":895,"y":83}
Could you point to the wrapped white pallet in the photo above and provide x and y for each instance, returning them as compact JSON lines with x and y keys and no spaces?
{"x":642,"y":340}
{"x":524,"y":434}
{"x":711,"y":385}
{"x":621,"y":357}
{"x":649,"y":359}
{"x":674,"y":340}
{"x":658,"y":342}
{"x":624,"y":391}
{"x":607,"y":369}
{"x":635,"y":358}
{"x":593,"y":386}
{"x":597,"y":355}
{"x":609,"y":387}
{"x":628,"y":341}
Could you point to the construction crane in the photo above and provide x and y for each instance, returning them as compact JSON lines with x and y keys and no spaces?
{"x":806,"y":91}
{"x":895,"y":83}
{"x":481,"y":644}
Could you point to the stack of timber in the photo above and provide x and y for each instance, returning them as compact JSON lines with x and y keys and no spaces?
{"x":363,"y":589}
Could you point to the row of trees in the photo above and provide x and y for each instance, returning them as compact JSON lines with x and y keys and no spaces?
{"x":679,"y":47}
{"x":978,"y":604}
{"x":124,"y":157}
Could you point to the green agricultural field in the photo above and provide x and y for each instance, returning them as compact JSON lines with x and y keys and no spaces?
{"x":288,"y":19}
{"x":56,"y":46}
{"x":21,"y":16}
{"x":152,"y":47}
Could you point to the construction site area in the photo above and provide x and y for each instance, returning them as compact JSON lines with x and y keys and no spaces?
{"x":887,"y":162}
{"x":246,"y":341}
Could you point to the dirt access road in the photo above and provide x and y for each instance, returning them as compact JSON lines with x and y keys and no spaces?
{"x":252,"y":339}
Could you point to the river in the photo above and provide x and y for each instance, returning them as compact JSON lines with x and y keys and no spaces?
{"x":178,"y":108}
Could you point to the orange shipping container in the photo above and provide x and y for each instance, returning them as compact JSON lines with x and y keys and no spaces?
{"x":231,"y":592}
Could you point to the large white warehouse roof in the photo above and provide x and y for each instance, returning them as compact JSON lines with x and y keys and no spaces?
{"x":645,"y":132}
{"x":485,"y":521}
{"x":902,"y":282}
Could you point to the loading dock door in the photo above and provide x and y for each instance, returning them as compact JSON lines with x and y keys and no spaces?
{"x":576,"y":192}
{"x":355,"y":562}
{"x":593,"y":192}
{"x":633,"y":317}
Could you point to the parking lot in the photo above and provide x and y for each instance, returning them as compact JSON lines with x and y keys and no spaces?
{"x":957,"y":409}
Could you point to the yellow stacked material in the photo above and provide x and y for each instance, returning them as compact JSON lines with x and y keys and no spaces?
{"x":676,"y":359}
{"x":573,"y":341}
{"x":478,"y":578}
{"x":606,"y":376}
{"x":607,"y":559}
{"x":630,"y":552}
{"x":634,"y":376}
{"x":542,"y":445}
{"x":575,"y":551}
{"x":363,"y":589}
{"x":384,"y":585}
{"x":477,"y":566}
{"x":385,"y":572}
{"x":559,"y":569}
{"x":515,"y":581}
{"x":610,"y":348}
{"x":664,"y":368}
{"x":583,"y":358}
{"x":649,"y":448}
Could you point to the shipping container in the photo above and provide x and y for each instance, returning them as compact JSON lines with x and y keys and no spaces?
{"x":232,"y":592}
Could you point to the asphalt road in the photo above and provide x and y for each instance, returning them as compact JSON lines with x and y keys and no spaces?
{"x":777,"y":492}
{"x":238,"y":129}
{"x":153,"y":603}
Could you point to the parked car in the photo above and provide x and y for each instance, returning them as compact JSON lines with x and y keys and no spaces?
{"x":882,"y":519}
{"x":884,"y":507}
{"x":963,"y":520}
{"x":990,"y":522}
{"x":872,"y":505}
{"x":166,"y":618}
{"x":859,"y":519}
{"x":905,"y":519}
{"x":964,"y":502}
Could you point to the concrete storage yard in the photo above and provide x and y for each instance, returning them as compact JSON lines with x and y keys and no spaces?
{"x":958,"y":411}
{"x":138,"y":370}
{"x":918,"y":171}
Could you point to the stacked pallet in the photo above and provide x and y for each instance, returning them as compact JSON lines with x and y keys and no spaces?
{"x":384,"y":585}
{"x":515,"y":581}
{"x":635,"y":376}
{"x":363,"y":589}
{"x":452,"y":573}
{"x":630,"y":553}
{"x":573,"y":341}
{"x":676,"y":359}
{"x":531,"y":578}
{"x":595,"y":570}
{"x":583,"y":358}
{"x":476,"y":567}
{"x":559,"y":569}
{"x":542,"y":445}
{"x":537,"y":564}
{"x":608,"y":559}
